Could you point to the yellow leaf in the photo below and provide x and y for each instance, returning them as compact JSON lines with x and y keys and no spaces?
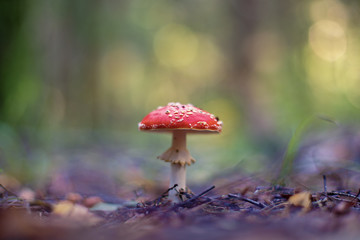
{"x":63,"y":208}
{"x":75,"y":212}
{"x":302,"y":199}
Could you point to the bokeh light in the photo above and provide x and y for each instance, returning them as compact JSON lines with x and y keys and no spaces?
{"x":176,"y":45}
{"x":328,"y":40}
{"x":77,"y":74}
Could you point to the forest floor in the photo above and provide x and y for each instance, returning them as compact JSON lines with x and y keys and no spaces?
{"x":240,"y":209}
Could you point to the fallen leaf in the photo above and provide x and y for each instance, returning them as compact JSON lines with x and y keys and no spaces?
{"x":75,"y":212}
{"x":302,"y":199}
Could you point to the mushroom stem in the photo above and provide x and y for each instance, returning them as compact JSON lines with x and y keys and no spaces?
{"x":178,"y":169}
{"x":178,"y":155}
{"x":178,"y":176}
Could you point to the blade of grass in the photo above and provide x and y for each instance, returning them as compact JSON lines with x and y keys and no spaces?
{"x":291,"y":150}
{"x":293,"y":147}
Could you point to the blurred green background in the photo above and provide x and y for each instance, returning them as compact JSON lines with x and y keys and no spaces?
{"x":77,"y":77}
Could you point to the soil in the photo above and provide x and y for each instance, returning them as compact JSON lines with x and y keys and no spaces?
{"x":237,"y":210}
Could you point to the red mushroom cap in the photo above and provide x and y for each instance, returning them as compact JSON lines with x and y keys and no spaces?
{"x":176,"y":116}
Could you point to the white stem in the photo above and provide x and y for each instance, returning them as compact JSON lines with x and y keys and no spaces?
{"x":178,"y":176}
{"x":179,"y":141}
{"x":178,"y":171}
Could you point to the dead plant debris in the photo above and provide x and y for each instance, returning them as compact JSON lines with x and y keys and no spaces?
{"x":273,"y":211}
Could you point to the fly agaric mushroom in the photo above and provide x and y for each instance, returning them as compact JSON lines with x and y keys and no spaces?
{"x":179,"y":120}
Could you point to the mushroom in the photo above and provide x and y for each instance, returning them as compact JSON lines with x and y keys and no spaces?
{"x":180,"y":120}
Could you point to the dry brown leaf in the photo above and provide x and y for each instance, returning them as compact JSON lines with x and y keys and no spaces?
{"x":75,"y":212}
{"x":302,"y":199}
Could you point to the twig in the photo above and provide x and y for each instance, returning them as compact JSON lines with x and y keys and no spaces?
{"x":191,"y":200}
{"x":321,"y":201}
{"x":183,"y":194}
{"x":167,"y":191}
{"x":344,"y":194}
{"x":272,"y":207}
{"x":258,"y":204}
{"x":353,"y":200}
{"x":357,"y":196}
{"x":165,"y":194}
{"x":7,"y":191}
{"x":203,"y":193}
